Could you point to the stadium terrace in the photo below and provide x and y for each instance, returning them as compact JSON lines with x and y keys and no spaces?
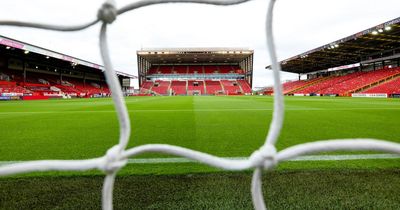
{"x":195,"y":71}
{"x":365,"y":64}
{"x":30,"y":72}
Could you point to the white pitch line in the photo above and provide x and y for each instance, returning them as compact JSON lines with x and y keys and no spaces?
{"x":302,"y":158}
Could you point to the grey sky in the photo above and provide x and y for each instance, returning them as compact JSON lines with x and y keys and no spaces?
{"x":299,"y":26}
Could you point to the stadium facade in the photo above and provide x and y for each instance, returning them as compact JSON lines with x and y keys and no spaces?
{"x":195,"y":71}
{"x":365,"y":64}
{"x":31,"y":72}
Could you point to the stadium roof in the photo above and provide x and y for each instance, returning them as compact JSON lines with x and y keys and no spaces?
{"x":195,"y":55}
{"x":29,"y":48}
{"x":371,"y":44}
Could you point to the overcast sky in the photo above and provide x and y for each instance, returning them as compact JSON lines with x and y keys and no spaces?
{"x":299,"y":26}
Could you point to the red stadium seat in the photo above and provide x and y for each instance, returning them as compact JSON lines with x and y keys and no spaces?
{"x":200,"y":86}
{"x":213,"y":87}
{"x":388,"y":87}
{"x":161,"y":87}
{"x":245,"y":86}
{"x":43,"y":84}
{"x":342,"y":85}
{"x":195,"y":87}
{"x":180,"y":69}
{"x":231,"y":87}
{"x":178,"y":87}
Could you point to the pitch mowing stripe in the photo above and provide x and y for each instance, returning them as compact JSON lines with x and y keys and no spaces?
{"x":303,"y":158}
{"x":192,"y":110}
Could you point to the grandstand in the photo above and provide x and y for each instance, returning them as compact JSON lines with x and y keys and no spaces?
{"x":366,"y":64}
{"x":195,"y":71}
{"x":30,"y":72}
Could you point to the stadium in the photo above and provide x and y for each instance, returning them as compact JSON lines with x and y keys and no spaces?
{"x":193,"y":134}
{"x":195,"y":71}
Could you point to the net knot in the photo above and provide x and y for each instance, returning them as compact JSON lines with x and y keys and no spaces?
{"x":113,"y":160}
{"x":265,"y":157}
{"x":108,"y":12}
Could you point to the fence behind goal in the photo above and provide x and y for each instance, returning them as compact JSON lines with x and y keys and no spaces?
{"x":264,"y":158}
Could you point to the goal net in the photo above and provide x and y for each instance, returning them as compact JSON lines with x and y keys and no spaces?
{"x":264,"y":158}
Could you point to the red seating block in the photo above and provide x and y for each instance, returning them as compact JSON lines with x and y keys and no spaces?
{"x":195,"y":86}
{"x":178,"y":87}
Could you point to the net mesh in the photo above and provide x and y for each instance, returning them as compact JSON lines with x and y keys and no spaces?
{"x":264,"y":158}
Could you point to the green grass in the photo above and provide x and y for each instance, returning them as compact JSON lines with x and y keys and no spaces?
{"x":223,"y":126}
{"x":282,"y":190}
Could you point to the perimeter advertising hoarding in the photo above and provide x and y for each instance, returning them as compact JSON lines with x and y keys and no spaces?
{"x":370,"y":95}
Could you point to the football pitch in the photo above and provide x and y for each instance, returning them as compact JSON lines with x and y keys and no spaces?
{"x":224,"y":126}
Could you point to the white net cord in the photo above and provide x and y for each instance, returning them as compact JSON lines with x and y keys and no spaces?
{"x":266,"y":157}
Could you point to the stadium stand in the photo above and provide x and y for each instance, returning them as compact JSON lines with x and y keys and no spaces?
{"x":206,"y":69}
{"x":195,"y":87}
{"x":231,"y":87}
{"x":146,"y":87}
{"x":165,"y":70}
{"x":333,"y":80}
{"x":48,"y":84}
{"x":195,"y":71}
{"x":245,"y":86}
{"x":39,"y":89}
{"x":388,"y":87}
{"x":179,"y":87}
{"x":153,"y":70}
{"x":292,"y":86}
{"x":29,"y":71}
{"x":210,"y":69}
{"x":161,"y":87}
{"x":343,"y":85}
{"x":7,"y":87}
{"x":363,"y":80}
{"x":226,"y":69}
{"x":213,"y":87}
{"x":180,"y":70}
{"x":348,"y":66}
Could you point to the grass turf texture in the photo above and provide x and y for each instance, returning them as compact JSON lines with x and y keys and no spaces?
{"x":283,"y":190}
{"x":224,"y":126}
